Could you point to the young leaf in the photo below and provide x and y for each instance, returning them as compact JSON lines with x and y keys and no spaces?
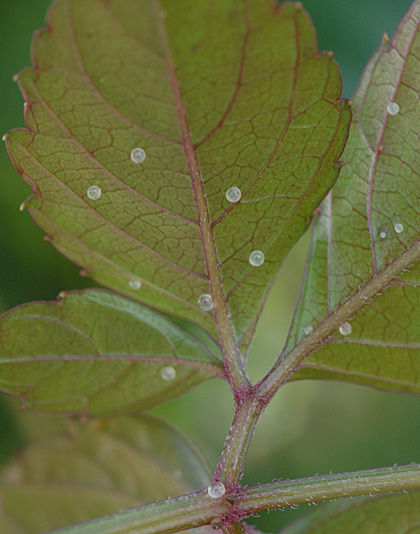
{"x":370,"y":223}
{"x":97,"y":353}
{"x":96,"y":469}
{"x":216,"y":95}
{"x":392,"y":513}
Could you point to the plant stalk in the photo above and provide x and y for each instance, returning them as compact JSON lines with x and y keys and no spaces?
{"x":198,"y":509}
{"x":289,"y":493}
{"x":231,"y":463}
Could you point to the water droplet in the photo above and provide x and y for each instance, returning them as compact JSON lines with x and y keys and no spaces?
{"x":205,"y":302}
{"x":134,"y":284}
{"x":256,"y":258}
{"x":308,"y":330}
{"x":168,"y":373}
{"x":216,"y":524}
{"x":345,"y":329}
{"x":216,"y":490}
{"x":233,"y":194}
{"x":15,"y":77}
{"x":94,"y":192}
{"x":22,"y":206}
{"x":138,"y":155}
{"x":383,"y":234}
{"x":393,"y":108}
{"x":4,"y":137}
{"x":399,"y":228}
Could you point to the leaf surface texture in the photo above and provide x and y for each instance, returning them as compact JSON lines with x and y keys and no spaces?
{"x":218,"y":94}
{"x":96,"y":353}
{"x":369,"y":220}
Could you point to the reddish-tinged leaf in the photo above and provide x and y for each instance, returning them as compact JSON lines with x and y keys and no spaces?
{"x":369,"y":223}
{"x":97,"y":353}
{"x":229,"y":93}
{"x":94,"y":470}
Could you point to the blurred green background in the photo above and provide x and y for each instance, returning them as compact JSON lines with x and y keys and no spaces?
{"x":311,"y":427}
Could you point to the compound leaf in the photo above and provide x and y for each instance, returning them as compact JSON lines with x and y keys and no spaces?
{"x":95,"y":469}
{"x":217,"y":94}
{"x":370,"y":222}
{"x":97,"y":353}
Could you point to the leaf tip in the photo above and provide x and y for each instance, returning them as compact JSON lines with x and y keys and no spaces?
{"x":386,"y":42}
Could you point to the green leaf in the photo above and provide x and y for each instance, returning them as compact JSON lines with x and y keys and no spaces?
{"x":218,"y":94}
{"x":97,"y":353}
{"x":370,"y":221}
{"x":96,"y":469}
{"x":396,"y":514}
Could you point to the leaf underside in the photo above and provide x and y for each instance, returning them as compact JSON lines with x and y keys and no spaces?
{"x":97,"y":353}
{"x":396,"y":514}
{"x":369,"y":219}
{"x":94,"y":470}
{"x":217,"y":94}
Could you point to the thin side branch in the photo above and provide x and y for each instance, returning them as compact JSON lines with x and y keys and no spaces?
{"x":290,"y":362}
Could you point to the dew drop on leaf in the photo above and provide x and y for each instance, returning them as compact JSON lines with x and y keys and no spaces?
{"x":393,"y":108}
{"x":94,"y":192}
{"x":345,"y":329}
{"x":399,"y":228}
{"x":383,"y":234}
{"x":233,"y":194}
{"x":138,"y":155}
{"x":256,"y":258}
{"x":216,"y":490}
{"x":205,"y":302}
{"x":134,"y":284}
{"x":308,"y":329}
{"x":216,"y":524}
{"x":168,"y":373}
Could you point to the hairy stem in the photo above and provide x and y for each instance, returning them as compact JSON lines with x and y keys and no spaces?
{"x":198,"y":509}
{"x":232,"y":459}
{"x":334,"y":486}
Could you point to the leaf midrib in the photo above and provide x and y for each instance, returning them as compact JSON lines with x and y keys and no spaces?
{"x":229,"y":347}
